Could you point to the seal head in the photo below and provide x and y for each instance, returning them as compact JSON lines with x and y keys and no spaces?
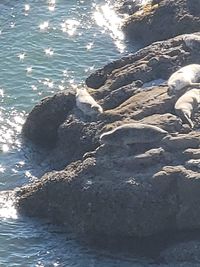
{"x":186,"y":76}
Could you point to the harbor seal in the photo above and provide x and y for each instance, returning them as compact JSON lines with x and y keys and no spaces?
{"x":192,"y":41}
{"x":86,"y":103}
{"x":133,"y":133}
{"x":187,"y":104}
{"x":186,"y":76}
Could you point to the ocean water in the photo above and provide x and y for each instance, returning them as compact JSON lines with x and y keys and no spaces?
{"x":47,"y":46}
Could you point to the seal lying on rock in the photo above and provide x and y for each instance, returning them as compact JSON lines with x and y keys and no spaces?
{"x":192,"y":41}
{"x":133,"y":133}
{"x":187,"y":104}
{"x":86,"y":103}
{"x":186,"y":76}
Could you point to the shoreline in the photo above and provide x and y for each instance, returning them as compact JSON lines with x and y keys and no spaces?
{"x":109,"y":191}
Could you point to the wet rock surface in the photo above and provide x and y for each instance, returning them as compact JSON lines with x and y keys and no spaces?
{"x":138,"y":190}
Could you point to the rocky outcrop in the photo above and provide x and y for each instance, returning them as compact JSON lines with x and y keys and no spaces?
{"x":119,"y":193}
{"x":160,"y":20}
{"x":157,"y":61}
{"x":183,"y":252}
{"x":112,"y":191}
{"x":43,"y":121}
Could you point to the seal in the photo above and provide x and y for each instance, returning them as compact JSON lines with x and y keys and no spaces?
{"x":133,"y":133}
{"x":186,"y":105}
{"x":192,"y":41}
{"x":86,"y":103}
{"x":186,"y":76}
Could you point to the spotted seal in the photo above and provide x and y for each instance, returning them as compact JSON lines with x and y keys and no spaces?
{"x":133,"y":133}
{"x":86,"y":103}
{"x":185,"y":76}
{"x":187,"y":104}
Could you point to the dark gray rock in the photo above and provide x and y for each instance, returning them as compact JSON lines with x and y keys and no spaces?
{"x":157,"y":61}
{"x":163,"y":20}
{"x":43,"y":121}
{"x":129,"y":6}
{"x":74,"y":139}
{"x":138,"y":190}
{"x":188,"y":252}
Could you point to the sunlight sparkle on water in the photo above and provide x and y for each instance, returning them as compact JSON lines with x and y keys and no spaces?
{"x":61,"y":87}
{"x":21,"y":56}
{"x":52,"y":2}
{"x":44,"y":26}
{"x":50,"y":84}
{"x":19,"y":120}
{"x":47,"y":82}
{"x":34,"y":88}
{"x":5,"y":148}
{"x":2,"y":169}
{"x":49,"y":51}
{"x":89,"y":45}
{"x":30,"y":176}
{"x":29,"y":69}
{"x":70,"y":26}
{"x":12,"y":25}
{"x":7,"y":208}
{"x":21,"y":163}
{"x":106,"y":18}
{"x":1,"y":93}
{"x":27,"y":7}
{"x":65,"y":74}
{"x":51,"y":8}
{"x":52,"y":5}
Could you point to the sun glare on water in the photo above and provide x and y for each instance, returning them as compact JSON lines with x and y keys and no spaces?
{"x":7,"y":207}
{"x":70,"y":26}
{"x":107,"y":18}
{"x":44,"y":26}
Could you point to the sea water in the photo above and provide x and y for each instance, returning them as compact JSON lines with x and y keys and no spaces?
{"x":46,"y":47}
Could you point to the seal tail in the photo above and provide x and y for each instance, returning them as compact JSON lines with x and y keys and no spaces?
{"x":197,"y":85}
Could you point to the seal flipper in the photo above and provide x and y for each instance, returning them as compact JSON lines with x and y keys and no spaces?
{"x":185,"y":117}
{"x":189,"y":121}
{"x":196,"y":85}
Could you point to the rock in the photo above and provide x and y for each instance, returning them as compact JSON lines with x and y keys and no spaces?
{"x":118,"y":96}
{"x":74,"y":139}
{"x":193,"y":164}
{"x":145,"y":160}
{"x":184,"y":252}
{"x":191,"y":153}
{"x":128,"y":7}
{"x":142,"y":190}
{"x":129,"y":206}
{"x":167,"y":122}
{"x":149,"y":23}
{"x":43,"y":121}
{"x":145,"y":65}
{"x":182,"y":141}
{"x":100,"y":197}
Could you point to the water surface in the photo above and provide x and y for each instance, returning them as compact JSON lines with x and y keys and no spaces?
{"x":46,"y":47}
